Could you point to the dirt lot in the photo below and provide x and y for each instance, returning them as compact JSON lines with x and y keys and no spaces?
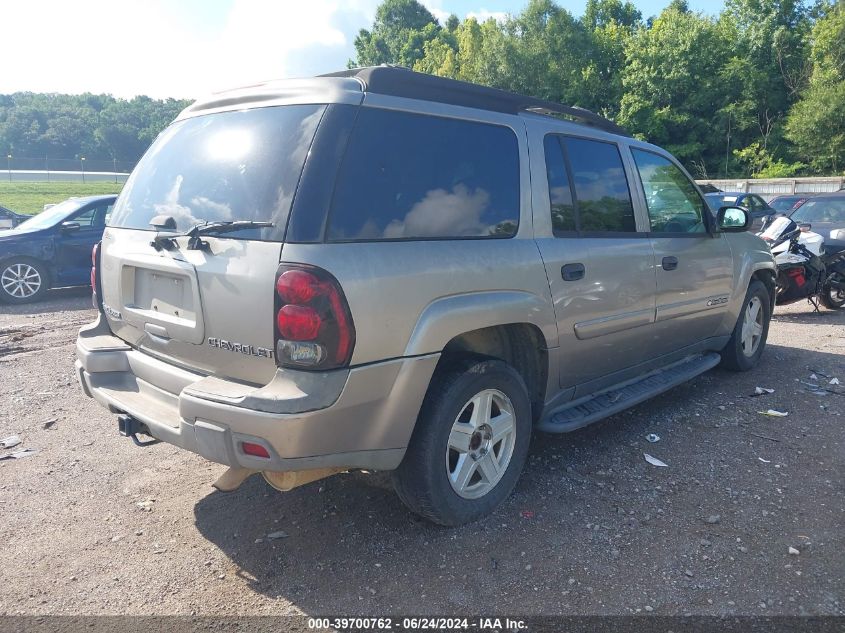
{"x":93,"y":525}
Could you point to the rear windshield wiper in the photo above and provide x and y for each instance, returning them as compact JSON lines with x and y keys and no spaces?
{"x":226,"y":227}
{"x":195,"y":242}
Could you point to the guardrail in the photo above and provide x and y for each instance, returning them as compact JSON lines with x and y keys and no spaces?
{"x":40,"y":175}
{"x":771,"y":187}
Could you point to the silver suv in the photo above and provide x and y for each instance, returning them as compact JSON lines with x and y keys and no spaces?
{"x":379,"y":269}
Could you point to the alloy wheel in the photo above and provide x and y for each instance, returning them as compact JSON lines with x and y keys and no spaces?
{"x":20,"y":280}
{"x":752,"y":327}
{"x":481,"y":444}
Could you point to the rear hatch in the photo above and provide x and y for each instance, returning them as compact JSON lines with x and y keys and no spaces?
{"x":206,"y":305}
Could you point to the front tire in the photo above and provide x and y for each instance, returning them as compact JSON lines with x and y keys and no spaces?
{"x":22,"y":280}
{"x":748,"y":339}
{"x":469,"y":445}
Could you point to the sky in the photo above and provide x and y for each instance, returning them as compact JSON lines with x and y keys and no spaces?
{"x":187,"y":48}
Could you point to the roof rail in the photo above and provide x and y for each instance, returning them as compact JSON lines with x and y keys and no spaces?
{"x":399,"y":81}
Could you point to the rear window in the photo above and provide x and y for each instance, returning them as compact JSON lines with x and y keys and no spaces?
{"x":222,"y":167}
{"x":412,"y":176}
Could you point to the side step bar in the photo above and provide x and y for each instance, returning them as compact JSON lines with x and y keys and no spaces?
{"x":578,"y":414}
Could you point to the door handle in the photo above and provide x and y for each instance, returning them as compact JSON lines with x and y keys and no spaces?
{"x":670,"y":263}
{"x":572,"y":272}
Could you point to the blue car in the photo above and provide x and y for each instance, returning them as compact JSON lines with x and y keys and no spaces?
{"x":52,"y":249}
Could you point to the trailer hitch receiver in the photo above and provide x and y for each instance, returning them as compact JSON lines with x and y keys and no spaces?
{"x":129,"y":427}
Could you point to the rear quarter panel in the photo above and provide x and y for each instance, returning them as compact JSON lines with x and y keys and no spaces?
{"x":411,"y":298}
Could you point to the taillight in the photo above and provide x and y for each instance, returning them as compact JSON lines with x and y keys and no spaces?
{"x":95,"y":277}
{"x":314,"y":328}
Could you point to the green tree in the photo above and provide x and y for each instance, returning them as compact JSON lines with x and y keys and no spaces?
{"x":816,"y":124}
{"x":610,"y":24}
{"x":600,"y":13}
{"x":673,"y":91}
{"x":398,"y":36}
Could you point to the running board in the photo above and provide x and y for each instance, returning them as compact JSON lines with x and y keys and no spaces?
{"x":580,"y":413}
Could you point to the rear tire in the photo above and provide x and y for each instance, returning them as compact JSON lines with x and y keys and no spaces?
{"x":22,"y":280}
{"x":748,"y":339}
{"x":469,"y":445}
{"x":831,"y":298}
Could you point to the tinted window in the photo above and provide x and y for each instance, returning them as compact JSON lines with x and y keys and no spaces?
{"x":753,"y":203}
{"x":821,"y":210}
{"x":674,"y":205}
{"x":86,"y":218}
{"x":785,"y":203}
{"x":228,"y":166}
{"x":416,"y":176}
{"x":602,"y":197}
{"x":560,"y":194}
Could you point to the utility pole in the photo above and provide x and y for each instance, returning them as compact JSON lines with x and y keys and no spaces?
{"x":728,"y":147}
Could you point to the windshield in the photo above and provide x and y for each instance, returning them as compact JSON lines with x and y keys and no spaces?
{"x":784,"y":203}
{"x":821,"y":210}
{"x":779,"y":226}
{"x":230,"y":166}
{"x":52,"y":216}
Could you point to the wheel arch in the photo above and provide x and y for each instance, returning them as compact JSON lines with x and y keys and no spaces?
{"x":520,"y":345}
{"x":514,"y":326}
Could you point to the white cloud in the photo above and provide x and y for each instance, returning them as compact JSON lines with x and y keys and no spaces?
{"x":157,"y":48}
{"x":482,"y":15}
{"x":437,"y":10}
{"x":144,"y":47}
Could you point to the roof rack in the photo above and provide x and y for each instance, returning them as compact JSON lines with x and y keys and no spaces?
{"x":399,"y":81}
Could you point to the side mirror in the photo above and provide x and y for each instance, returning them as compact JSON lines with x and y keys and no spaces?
{"x":838,"y":235}
{"x":69,"y":227}
{"x":805,"y":227}
{"x":733,"y":219}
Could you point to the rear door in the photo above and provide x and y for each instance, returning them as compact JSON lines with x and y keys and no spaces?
{"x":208,"y":306}
{"x":694,"y":268}
{"x":73,"y":247}
{"x":599,"y":265}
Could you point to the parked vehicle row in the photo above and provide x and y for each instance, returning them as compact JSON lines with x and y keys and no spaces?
{"x":754,"y":204}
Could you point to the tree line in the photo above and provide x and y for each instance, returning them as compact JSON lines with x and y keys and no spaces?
{"x":96,"y":127}
{"x":757,"y":90}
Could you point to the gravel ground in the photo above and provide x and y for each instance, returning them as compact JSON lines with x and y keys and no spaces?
{"x":93,"y":525}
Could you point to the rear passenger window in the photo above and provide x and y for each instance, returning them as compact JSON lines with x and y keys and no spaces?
{"x":407,"y":176}
{"x":560,"y":194}
{"x":603,"y":200}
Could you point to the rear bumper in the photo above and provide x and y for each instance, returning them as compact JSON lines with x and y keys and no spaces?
{"x":353,"y":418}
